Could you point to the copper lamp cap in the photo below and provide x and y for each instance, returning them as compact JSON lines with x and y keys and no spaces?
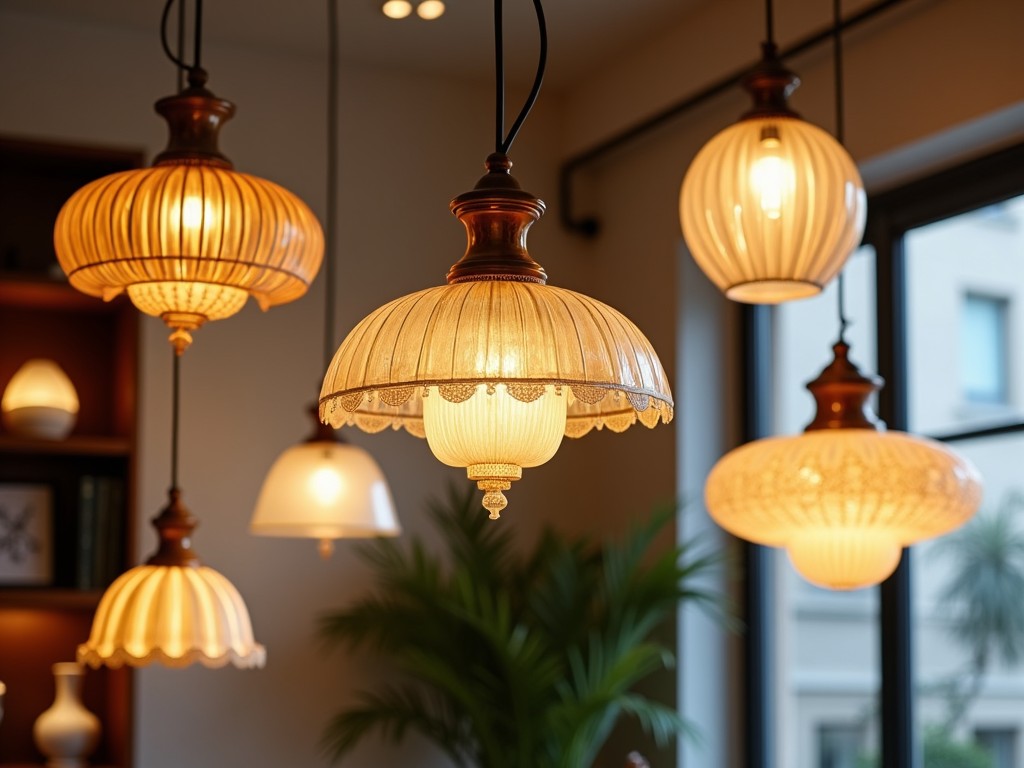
{"x":175,"y":525}
{"x":770,"y":84}
{"x":194,"y":117}
{"x":497,"y":214}
{"x":842,"y":393}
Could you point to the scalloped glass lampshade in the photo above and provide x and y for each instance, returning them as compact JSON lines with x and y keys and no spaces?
{"x":172,"y":610}
{"x":40,"y":401}
{"x":843,"y":502}
{"x":189,"y":239}
{"x":174,"y":616}
{"x":771,"y":208}
{"x":325,"y":490}
{"x":495,"y":367}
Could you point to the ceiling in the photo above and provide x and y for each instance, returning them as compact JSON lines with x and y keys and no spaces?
{"x":582,"y":33}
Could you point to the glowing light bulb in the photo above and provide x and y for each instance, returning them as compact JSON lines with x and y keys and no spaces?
{"x":771,"y":178}
{"x":326,"y":485}
{"x":430,"y":9}
{"x":396,"y":9}
{"x":494,"y":435}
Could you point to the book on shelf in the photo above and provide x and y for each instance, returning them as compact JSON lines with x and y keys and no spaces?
{"x":101,"y":531}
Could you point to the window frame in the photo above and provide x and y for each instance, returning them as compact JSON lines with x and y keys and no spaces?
{"x":974,"y":184}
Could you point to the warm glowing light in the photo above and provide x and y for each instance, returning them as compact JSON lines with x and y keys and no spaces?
{"x":843,"y":502}
{"x":40,"y":401}
{"x":397,"y":9}
{"x":430,"y":9}
{"x":326,"y":490}
{"x":174,"y":616}
{"x":494,"y":435}
{"x":771,"y":208}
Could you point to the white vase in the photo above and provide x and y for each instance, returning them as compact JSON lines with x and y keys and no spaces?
{"x":67,"y":732}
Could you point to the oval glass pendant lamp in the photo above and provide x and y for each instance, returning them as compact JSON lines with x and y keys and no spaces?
{"x":325,"y":488}
{"x":496,"y":366}
{"x":189,"y":239}
{"x":40,"y":401}
{"x":772,"y":207}
{"x":846,"y":496}
{"x":172,"y":610}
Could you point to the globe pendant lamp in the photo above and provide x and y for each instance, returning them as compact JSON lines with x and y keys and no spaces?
{"x":172,"y":610}
{"x":772,"y":206}
{"x":324,"y":488}
{"x":846,"y":496}
{"x":496,"y":366}
{"x":189,"y":239}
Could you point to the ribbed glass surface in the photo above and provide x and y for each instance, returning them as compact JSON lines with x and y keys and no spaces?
{"x":325,"y":490}
{"x":771,"y":208}
{"x":842,"y":493}
{"x":495,"y":428}
{"x":523,"y":335}
{"x":188,"y":239}
{"x":174,"y":616}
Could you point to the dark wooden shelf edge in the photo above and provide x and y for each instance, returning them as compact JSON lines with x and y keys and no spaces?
{"x":49,"y":598}
{"x":76,"y":445}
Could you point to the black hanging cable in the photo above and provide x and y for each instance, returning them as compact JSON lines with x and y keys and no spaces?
{"x":837,"y":69}
{"x":181,"y":44}
{"x":197,"y":38}
{"x":504,"y":145}
{"x":175,"y":416}
{"x":499,"y":77}
{"x":844,"y":322}
{"x":330,"y":232}
{"x":769,"y":25}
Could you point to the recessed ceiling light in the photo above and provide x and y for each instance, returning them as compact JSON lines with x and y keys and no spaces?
{"x":396,"y":9}
{"x":430,"y":9}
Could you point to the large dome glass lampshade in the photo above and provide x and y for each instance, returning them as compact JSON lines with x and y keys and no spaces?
{"x":495,"y":367}
{"x":846,"y":496}
{"x":172,"y":610}
{"x":189,"y":239}
{"x":325,"y":489}
{"x":772,"y":206}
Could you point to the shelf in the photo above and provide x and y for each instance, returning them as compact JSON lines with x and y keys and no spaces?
{"x":45,"y":598}
{"x":31,"y":292}
{"x":76,"y":445}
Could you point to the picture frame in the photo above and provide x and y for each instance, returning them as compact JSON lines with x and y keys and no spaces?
{"x":26,"y":535}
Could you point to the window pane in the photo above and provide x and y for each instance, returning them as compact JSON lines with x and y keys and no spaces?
{"x":964,"y":284}
{"x":826,"y":643}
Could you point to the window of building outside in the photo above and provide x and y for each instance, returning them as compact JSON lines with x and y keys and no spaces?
{"x":965,"y":280}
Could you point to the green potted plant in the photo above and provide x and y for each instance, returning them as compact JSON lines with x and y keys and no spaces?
{"x":513,"y":659}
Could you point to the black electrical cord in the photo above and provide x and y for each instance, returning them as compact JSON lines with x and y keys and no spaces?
{"x":844,"y":321}
{"x":330,"y":231}
{"x":175,"y":416}
{"x":503,"y":145}
{"x":197,"y":39}
{"x":769,"y":25}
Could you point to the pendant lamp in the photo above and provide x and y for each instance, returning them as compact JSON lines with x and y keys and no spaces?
{"x":846,"y":496}
{"x":496,"y":366}
{"x":325,"y":488}
{"x":40,"y":401}
{"x":172,"y":610}
{"x":772,"y":206}
{"x":189,"y":239}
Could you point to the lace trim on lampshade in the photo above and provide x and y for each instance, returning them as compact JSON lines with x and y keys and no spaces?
{"x":401,"y":408}
{"x":475,"y":336}
{"x":254,"y":659}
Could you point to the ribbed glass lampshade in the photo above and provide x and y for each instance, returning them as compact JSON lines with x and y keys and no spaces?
{"x":495,"y":366}
{"x":771,"y":208}
{"x":189,"y":239}
{"x":174,"y":616}
{"x":40,"y":401}
{"x":172,"y":610}
{"x":325,"y":490}
{"x":843,"y":502}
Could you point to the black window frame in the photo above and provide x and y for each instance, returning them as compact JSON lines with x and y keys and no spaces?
{"x":987,"y":180}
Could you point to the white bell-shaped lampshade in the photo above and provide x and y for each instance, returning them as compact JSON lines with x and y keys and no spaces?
{"x":845,"y":497}
{"x":772,"y":206}
{"x":325,"y":489}
{"x":172,"y":610}
{"x":40,"y":401}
